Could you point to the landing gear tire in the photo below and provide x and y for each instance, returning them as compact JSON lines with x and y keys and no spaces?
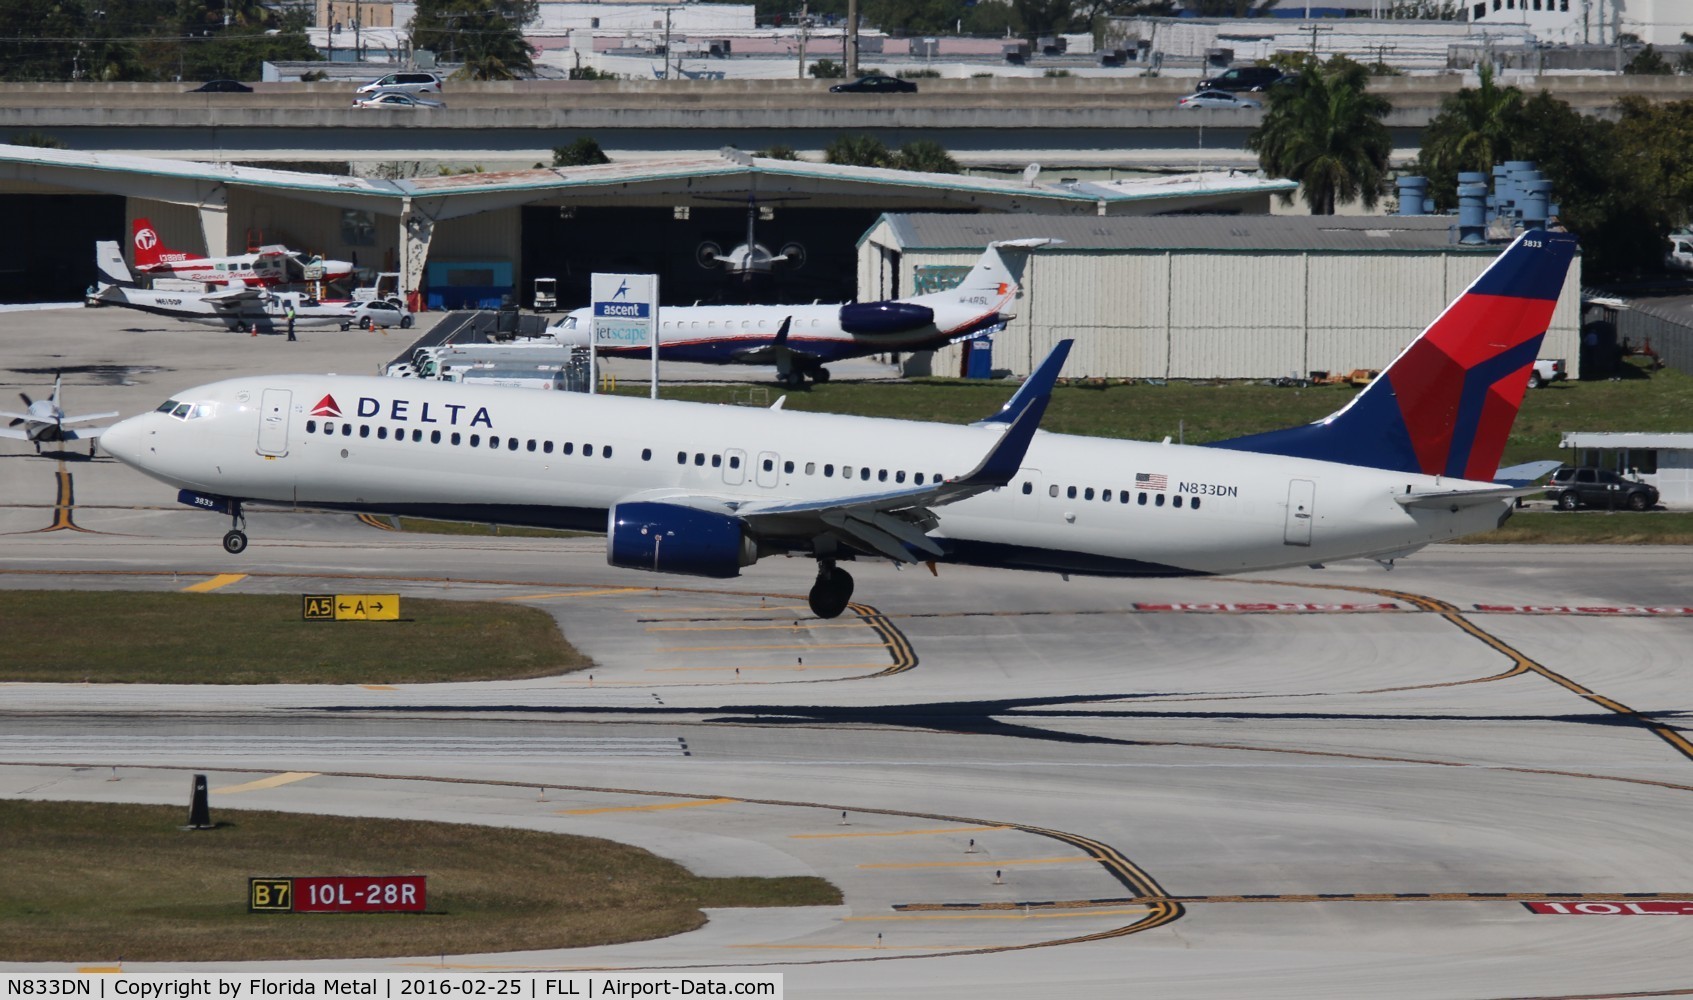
{"x":831,"y":593}
{"x":235,"y":542}
{"x":794,"y":379}
{"x":819,"y":375}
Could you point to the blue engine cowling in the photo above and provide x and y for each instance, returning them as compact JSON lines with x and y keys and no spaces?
{"x":670,"y":538}
{"x":884,"y":317}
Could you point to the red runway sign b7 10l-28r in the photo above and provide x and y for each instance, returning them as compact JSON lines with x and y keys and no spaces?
{"x":1616,"y":908}
{"x":337,"y":894}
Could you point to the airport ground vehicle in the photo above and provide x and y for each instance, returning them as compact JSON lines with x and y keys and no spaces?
{"x":379,"y":313}
{"x":546,"y":294}
{"x":1546,"y":371}
{"x":1571,"y":489}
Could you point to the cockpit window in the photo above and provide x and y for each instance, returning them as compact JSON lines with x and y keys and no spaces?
{"x":166,"y":406}
{"x":182,"y":410}
{"x":202,"y":410}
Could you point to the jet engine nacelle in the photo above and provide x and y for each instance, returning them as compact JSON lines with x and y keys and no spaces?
{"x":884,"y":317}
{"x":671,"y":538}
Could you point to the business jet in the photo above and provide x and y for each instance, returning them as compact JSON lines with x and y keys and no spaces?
{"x":707,"y":490}
{"x":800,"y":339}
{"x":269,"y":265}
{"x":45,"y":420}
{"x":245,"y":308}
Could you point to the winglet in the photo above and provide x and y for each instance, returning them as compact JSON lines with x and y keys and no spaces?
{"x":1022,"y":415}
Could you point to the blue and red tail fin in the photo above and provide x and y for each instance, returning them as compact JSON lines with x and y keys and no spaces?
{"x":1445,"y":406}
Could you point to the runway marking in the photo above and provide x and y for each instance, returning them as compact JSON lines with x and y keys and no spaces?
{"x":896,"y":833}
{"x":379,"y":687}
{"x":791,"y":645}
{"x":803,"y":626}
{"x":690,"y":804}
{"x":112,"y":969}
{"x":899,"y":647}
{"x":1006,"y":863}
{"x":1004,"y":916}
{"x":717,"y":611}
{"x":751,"y":669}
{"x":215,"y":583}
{"x":865,"y":947}
{"x":64,"y":506}
{"x":274,"y":781}
{"x":1295,"y":897}
{"x":575,"y":593}
{"x":375,"y":522}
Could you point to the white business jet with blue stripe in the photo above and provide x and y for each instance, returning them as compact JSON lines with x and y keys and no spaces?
{"x":707,"y":490}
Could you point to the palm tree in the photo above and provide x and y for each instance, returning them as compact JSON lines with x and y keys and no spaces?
{"x":926,"y":156}
{"x":858,"y":151}
{"x":1324,"y":130}
{"x":1473,"y":131}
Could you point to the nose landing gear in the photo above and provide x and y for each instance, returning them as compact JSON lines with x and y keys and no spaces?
{"x":235,"y":540}
{"x":832,"y":591}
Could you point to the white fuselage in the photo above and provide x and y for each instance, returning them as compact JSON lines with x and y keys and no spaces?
{"x":564,"y":459}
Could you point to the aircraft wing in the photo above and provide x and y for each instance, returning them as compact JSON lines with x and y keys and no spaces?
{"x":894,"y":522}
{"x":9,"y":415}
{"x":90,"y":416}
{"x":233,"y":297}
{"x":1526,"y":473}
{"x":1456,"y":499}
{"x":15,"y":435}
{"x":83,"y":433}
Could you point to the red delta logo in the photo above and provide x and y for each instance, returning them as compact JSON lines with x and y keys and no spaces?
{"x":326,"y":407}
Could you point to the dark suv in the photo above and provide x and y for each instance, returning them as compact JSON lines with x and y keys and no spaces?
{"x":1252,"y":78}
{"x":1572,"y":488}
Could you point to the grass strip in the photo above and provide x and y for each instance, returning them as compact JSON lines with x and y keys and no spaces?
{"x":92,"y":882}
{"x":1591,"y":528}
{"x":174,"y":638}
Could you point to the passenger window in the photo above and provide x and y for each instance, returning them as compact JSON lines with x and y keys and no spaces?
{"x":605,"y":452}
{"x":311,"y":427}
{"x":475,"y":439}
{"x":1124,"y":496}
{"x":864,"y":474}
{"x":828,"y":471}
{"x":646,"y":454}
{"x":511,"y":444}
{"x":1158,"y":501}
{"x":717,"y":461}
{"x":1028,"y":488}
{"x":417,"y":436}
{"x":769,"y":465}
{"x":734,"y":461}
{"x":787,"y":467}
{"x":920,"y":480}
{"x":328,"y":428}
{"x":382,"y":434}
{"x":1052,"y":490}
{"x":587,"y":451}
{"x":546,"y":447}
{"x":699,"y":457}
{"x":1176,"y":501}
{"x":899,"y":477}
{"x":493,"y":440}
{"x":364,"y":430}
{"x":434,"y":437}
{"x":846,"y":472}
{"x":567,"y":448}
{"x":531,"y":444}
{"x":881,"y":475}
{"x":455,"y":437}
{"x":1087,"y":494}
{"x":681,"y":458}
{"x":1142,"y":500}
{"x":1193,"y":502}
{"x":1106,"y":496}
{"x":1070,"y":493}
{"x":346,"y":430}
{"x":811,"y":468}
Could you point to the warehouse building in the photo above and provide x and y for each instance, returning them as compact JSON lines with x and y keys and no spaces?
{"x":1201,"y":297}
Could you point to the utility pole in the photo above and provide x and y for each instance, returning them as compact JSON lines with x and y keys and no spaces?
{"x":804,"y":30}
{"x":667,"y":11}
{"x":852,"y":40}
{"x":1381,"y":49}
{"x":1315,"y":30}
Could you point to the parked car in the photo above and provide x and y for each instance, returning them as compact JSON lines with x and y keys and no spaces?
{"x":379,"y":313}
{"x":1546,"y":371}
{"x":875,"y":84}
{"x":1678,"y":252}
{"x":1253,"y":78}
{"x":398,"y":101}
{"x":1216,"y":99}
{"x":410,"y":82}
{"x":222,"y":87}
{"x":1573,"y":488}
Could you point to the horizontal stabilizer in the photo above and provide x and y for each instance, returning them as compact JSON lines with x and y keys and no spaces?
{"x":1526,"y":473}
{"x":1458,"y":499}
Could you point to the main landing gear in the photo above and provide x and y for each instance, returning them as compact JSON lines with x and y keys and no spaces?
{"x":795,"y":377}
{"x":235,"y":540}
{"x":832,"y":591}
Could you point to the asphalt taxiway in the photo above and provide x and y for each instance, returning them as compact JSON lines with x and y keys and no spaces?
{"x":1338,"y":782}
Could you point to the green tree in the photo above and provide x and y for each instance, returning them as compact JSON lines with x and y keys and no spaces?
{"x":584,"y":152}
{"x":1324,"y":130}
{"x":485,"y":35}
{"x":777,"y":152}
{"x":858,"y":151}
{"x":1647,"y":62}
{"x":827,"y":69}
{"x":1474,"y":129}
{"x":925,"y":156}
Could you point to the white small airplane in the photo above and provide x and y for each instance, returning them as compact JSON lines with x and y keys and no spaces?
{"x":800,"y":339}
{"x":705,"y":490}
{"x":749,"y":259}
{"x":45,"y":420}
{"x":267,"y":266}
{"x":246,"y":308}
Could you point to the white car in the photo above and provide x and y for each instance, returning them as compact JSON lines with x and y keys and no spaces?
{"x":379,"y":313}
{"x":397,"y":100}
{"x":1216,"y":99}
{"x":410,"y":82}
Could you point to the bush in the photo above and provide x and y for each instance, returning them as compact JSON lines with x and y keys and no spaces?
{"x":827,"y":69}
{"x":584,"y":152}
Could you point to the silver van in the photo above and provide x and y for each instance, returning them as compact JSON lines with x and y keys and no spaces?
{"x":409,"y":81}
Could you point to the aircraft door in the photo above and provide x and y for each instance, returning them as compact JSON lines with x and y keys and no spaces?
{"x":769,"y":469}
{"x":273,"y":421}
{"x":1301,"y":509}
{"x":734,"y":466}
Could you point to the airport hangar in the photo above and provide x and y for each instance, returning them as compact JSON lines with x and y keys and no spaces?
{"x":467,"y":239}
{"x":1202,"y":297}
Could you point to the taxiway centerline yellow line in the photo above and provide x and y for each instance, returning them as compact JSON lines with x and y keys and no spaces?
{"x":274,"y":781}
{"x":1007,"y":863}
{"x":896,"y":833}
{"x":1047,"y":915}
{"x":787,"y":645}
{"x":215,"y":583}
{"x":573,"y":593}
{"x":748,"y":669}
{"x":753,"y":628}
{"x":691,"y":803}
{"x":379,"y":687}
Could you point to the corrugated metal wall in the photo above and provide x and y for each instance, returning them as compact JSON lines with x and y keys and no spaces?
{"x":178,"y":226}
{"x":1199,"y":315}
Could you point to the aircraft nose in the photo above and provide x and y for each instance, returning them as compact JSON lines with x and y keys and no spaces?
{"x":123,"y":440}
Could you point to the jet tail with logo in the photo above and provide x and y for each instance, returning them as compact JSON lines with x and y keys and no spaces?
{"x":1445,"y":406}
{"x":996,"y":277}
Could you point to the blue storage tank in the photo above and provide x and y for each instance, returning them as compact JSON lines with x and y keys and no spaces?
{"x":979,"y":362}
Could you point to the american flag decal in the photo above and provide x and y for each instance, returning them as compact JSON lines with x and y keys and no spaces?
{"x":1151,"y":481}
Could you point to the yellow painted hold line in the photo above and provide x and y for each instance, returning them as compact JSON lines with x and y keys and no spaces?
{"x":843,"y":666}
{"x":984,"y":864}
{"x":719,"y":610}
{"x":791,"y":627}
{"x":115,"y":970}
{"x":379,"y":687}
{"x":375,"y":522}
{"x":865,"y":947}
{"x":788,"y":645}
{"x":897,"y":833}
{"x":215,"y":583}
{"x":274,"y":781}
{"x":691,"y":803}
{"x":1046,"y":915}
{"x":574,"y":593}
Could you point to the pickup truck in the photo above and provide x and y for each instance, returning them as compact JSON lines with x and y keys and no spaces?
{"x":1546,"y":371}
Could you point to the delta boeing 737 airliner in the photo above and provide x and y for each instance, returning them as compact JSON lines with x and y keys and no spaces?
{"x":706,"y":490}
